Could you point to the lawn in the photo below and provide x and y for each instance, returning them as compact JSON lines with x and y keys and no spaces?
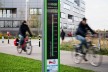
{"x":68,"y":46}
{"x":10,"y":63}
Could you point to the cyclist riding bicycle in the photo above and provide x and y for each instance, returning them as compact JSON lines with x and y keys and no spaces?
{"x":81,"y":34}
{"x":22,"y":33}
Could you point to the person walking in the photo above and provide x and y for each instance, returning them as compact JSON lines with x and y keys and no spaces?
{"x":62,"y":35}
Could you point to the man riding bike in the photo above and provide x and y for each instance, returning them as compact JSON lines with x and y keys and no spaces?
{"x":81,"y":34}
{"x":22,"y":33}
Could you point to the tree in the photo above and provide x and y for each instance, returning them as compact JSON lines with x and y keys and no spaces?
{"x":35,"y":22}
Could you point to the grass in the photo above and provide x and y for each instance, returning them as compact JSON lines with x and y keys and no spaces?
{"x":10,"y":63}
{"x":68,"y":46}
{"x":104,"y":52}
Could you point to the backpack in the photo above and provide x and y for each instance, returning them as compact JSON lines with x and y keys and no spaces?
{"x":16,"y":41}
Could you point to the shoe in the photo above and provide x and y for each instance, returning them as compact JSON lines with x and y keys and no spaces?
{"x":24,"y":49}
{"x":84,"y":58}
{"x":77,"y":50}
{"x":19,"y":46}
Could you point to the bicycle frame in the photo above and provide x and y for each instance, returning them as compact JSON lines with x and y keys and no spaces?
{"x":26,"y":40}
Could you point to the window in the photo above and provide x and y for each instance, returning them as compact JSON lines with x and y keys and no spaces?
{"x":31,"y":11}
{"x":8,"y":23}
{"x":65,"y":26}
{"x":1,"y":23}
{"x":63,"y":15}
{"x":60,"y":25}
{"x":40,"y":11}
{"x":76,"y":18}
{"x":69,"y":26}
{"x":4,"y":13}
{"x":77,"y":2}
{"x":8,"y":12}
{"x":14,"y":11}
{"x":0,"y":13}
{"x":16,"y":23}
{"x":35,"y":11}
{"x":71,"y":1}
{"x":70,"y":16}
{"x":66,"y":6}
{"x":69,"y":20}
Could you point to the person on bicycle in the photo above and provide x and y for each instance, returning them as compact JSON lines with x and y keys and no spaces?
{"x":81,"y":34}
{"x":22,"y":33}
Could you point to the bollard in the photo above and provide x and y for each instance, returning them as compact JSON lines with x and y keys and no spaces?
{"x":8,"y":39}
{"x":39,"y":41}
{"x":2,"y":39}
{"x":8,"y":34}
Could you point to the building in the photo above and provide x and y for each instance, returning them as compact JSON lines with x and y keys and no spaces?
{"x":72,"y":11}
{"x":12,"y":12}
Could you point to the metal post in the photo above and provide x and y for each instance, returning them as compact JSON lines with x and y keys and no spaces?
{"x":43,"y":48}
{"x":26,"y":10}
{"x":39,"y":41}
{"x":8,"y":39}
{"x":104,"y":39}
{"x":99,"y":42}
{"x":2,"y":39}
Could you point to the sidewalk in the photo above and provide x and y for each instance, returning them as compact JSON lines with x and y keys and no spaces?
{"x":66,"y":57}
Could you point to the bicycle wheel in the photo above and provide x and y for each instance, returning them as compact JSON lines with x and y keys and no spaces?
{"x":77,"y":57}
{"x":28,"y":48}
{"x":19,"y":49}
{"x":94,"y":57}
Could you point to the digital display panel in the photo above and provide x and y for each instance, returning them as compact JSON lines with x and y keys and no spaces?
{"x":52,"y":29}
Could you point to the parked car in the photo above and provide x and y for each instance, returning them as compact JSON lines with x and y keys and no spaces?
{"x":69,"y":34}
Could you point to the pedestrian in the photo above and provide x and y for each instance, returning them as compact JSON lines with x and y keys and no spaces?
{"x":62,"y":35}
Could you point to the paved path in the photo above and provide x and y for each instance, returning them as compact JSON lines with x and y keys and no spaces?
{"x":66,"y":57}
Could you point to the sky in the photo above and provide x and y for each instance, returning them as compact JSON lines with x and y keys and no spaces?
{"x":97,"y":14}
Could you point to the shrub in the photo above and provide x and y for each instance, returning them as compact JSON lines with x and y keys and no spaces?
{"x":66,"y":46}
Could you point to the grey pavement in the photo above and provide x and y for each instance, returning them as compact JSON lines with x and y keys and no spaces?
{"x":66,"y":56}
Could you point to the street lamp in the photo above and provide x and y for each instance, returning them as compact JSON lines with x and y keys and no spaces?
{"x":26,"y":10}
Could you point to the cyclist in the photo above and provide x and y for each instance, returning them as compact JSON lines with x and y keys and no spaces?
{"x":81,"y":34}
{"x":22,"y":33}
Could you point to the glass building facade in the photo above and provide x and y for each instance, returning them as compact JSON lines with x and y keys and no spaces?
{"x":72,"y":11}
{"x":13,"y":12}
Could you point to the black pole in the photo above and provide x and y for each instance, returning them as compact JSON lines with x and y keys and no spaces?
{"x":8,"y":39}
{"x":39,"y":41}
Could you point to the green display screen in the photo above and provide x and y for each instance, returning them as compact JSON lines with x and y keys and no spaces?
{"x":52,"y":29}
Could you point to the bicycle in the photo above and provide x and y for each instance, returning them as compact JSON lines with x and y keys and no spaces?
{"x":27,"y":45}
{"x":92,"y":53}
